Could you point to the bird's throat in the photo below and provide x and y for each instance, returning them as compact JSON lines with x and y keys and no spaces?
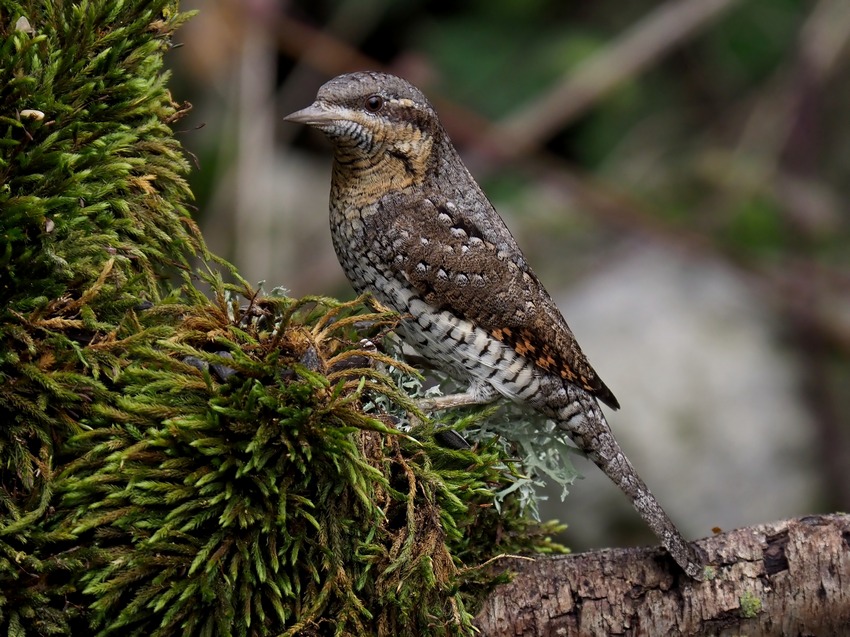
{"x":362,"y":181}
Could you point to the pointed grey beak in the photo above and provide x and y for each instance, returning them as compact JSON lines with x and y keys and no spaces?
{"x":314,"y":115}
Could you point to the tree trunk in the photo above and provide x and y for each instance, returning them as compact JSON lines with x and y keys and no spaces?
{"x":784,"y":578}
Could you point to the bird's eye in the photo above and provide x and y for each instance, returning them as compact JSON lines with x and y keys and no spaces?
{"x":374,"y":103}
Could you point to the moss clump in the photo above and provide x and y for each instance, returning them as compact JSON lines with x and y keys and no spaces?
{"x":750,"y":605}
{"x":181,"y":463}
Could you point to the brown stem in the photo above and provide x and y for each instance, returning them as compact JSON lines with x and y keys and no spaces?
{"x":784,"y":578}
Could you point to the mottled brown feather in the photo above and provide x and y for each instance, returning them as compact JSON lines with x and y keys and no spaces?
{"x":491,"y":286}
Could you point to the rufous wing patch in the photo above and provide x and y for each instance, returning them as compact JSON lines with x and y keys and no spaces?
{"x":525,"y":343}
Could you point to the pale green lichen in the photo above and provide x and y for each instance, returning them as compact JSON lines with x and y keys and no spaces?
{"x":750,"y":605}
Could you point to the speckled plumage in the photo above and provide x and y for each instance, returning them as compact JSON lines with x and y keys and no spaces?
{"x":410,"y":224}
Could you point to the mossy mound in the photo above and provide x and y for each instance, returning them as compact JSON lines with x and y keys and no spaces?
{"x":174,"y":462}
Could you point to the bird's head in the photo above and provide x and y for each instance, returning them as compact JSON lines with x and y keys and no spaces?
{"x":374,"y":117}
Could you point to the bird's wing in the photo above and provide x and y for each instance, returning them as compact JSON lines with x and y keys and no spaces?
{"x":453,"y":266}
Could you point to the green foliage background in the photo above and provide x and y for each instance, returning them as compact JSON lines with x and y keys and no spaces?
{"x":144,"y":491}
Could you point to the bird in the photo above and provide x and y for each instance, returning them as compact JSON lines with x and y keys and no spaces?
{"x":411,"y":226}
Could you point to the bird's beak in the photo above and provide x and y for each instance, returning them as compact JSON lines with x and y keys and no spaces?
{"x":314,"y":115}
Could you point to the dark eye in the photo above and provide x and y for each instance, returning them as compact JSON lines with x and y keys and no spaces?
{"x":374,"y":103}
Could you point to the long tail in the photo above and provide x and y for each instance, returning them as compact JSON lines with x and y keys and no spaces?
{"x":583,"y":420}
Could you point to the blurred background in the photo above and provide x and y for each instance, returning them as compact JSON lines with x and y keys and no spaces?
{"x":676,"y":172}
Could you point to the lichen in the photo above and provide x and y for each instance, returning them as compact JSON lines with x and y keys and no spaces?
{"x":750,"y":605}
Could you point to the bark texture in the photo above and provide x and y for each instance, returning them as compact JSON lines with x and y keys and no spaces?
{"x":784,"y":578}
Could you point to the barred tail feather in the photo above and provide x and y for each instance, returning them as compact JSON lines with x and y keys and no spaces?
{"x":584,"y":422}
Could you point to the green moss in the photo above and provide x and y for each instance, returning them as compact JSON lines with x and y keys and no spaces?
{"x":143,"y":491}
{"x":750,"y":605}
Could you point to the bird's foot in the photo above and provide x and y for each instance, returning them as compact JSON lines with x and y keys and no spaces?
{"x":475,"y":395}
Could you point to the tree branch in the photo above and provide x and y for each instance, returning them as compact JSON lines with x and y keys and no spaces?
{"x":662,"y":29}
{"x":784,"y":578}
